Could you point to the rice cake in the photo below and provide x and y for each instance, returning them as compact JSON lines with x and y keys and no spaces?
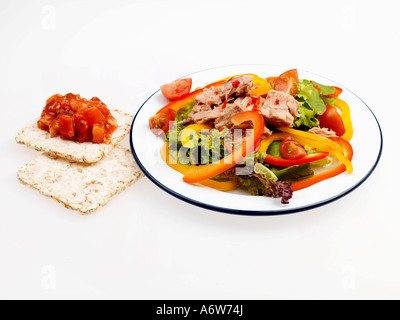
{"x":86,"y":152}
{"x":79,"y":186}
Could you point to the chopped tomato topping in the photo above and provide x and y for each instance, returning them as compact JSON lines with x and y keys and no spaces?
{"x":98,"y":133}
{"x":74,"y":118}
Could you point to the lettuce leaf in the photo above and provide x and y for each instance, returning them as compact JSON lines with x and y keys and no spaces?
{"x":275,"y":149}
{"x":183,"y":113}
{"x":330,"y":101}
{"x":311,"y":106}
{"x":293,"y":173}
{"x":325,"y":90}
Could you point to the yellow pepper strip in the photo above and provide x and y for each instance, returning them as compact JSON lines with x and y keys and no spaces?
{"x":265,"y":143}
{"x":313,"y":136}
{"x":262,"y":86}
{"x":224,"y":186}
{"x":190,"y":130}
{"x":307,"y":142}
{"x":346,"y":117}
{"x":280,"y":136}
{"x":323,"y":147}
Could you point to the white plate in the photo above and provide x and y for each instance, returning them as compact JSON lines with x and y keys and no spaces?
{"x":146,"y":150}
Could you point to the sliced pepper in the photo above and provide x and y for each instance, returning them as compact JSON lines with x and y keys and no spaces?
{"x":287,"y":163}
{"x":339,"y":154}
{"x":190,"y":130}
{"x":306,"y":142}
{"x":265,"y":143}
{"x":348,"y":151}
{"x":203,"y":172}
{"x":312,"y":136}
{"x":172,"y":163}
{"x":262,"y":86}
{"x":346,"y":117}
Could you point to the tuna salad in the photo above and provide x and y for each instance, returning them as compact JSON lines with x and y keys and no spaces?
{"x":269,"y":136}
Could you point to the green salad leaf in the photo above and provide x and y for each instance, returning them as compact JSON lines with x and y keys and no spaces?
{"x":311,"y":105}
{"x":275,"y":149}
{"x":330,"y":101}
{"x":183,"y":113}
{"x":293,"y":173}
{"x":207,"y":148}
{"x":325,"y":90}
{"x":253,"y":185}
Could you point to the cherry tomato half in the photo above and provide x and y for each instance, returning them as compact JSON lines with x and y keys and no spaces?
{"x":288,"y":82}
{"x":160,"y":123}
{"x":331,"y":119}
{"x":177,"y":89}
{"x":292,"y":150}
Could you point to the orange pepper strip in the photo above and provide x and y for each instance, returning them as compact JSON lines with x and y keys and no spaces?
{"x":224,"y":186}
{"x":203,"y":172}
{"x":348,"y":150}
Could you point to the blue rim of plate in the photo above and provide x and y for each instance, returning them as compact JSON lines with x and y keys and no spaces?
{"x":254,"y":212}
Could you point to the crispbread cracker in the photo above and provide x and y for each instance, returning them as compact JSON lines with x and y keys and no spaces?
{"x":81,"y":186}
{"x":86,"y":152}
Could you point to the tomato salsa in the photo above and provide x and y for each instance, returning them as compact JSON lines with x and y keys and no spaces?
{"x":75,"y":118}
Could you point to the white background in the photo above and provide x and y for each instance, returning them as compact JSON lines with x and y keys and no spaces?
{"x":145,"y":244}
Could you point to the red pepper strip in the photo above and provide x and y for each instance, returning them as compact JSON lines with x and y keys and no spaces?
{"x":337,"y":92}
{"x":200,"y":173}
{"x":185,"y":100}
{"x":288,"y":163}
{"x":348,"y":152}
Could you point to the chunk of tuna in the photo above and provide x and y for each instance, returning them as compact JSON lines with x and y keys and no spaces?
{"x":203,"y":113}
{"x":324,"y":132}
{"x":239,"y":105}
{"x":213,"y":96}
{"x":238,"y":87}
{"x":279,"y":109}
